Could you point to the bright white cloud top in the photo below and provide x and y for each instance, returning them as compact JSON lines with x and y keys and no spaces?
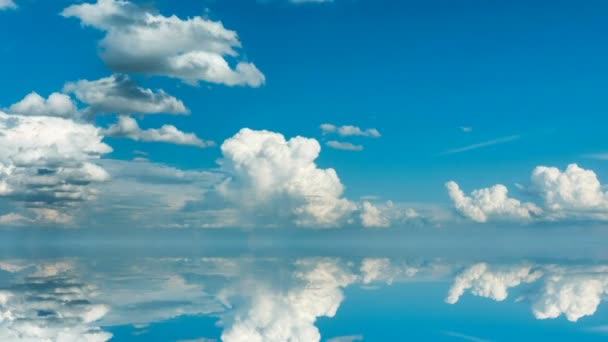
{"x":141,"y":41}
{"x":490,"y":203}
{"x":574,"y":193}
{"x":278,"y":177}
{"x":56,"y":104}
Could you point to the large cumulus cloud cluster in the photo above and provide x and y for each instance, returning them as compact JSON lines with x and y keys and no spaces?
{"x":572,"y":291}
{"x":290,"y":315}
{"x":493,"y":202}
{"x":49,"y":162}
{"x":47,"y":303}
{"x":573,"y":193}
{"x":272,"y":176}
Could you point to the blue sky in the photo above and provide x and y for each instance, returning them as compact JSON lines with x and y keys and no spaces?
{"x":476,"y":92}
{"x":318,"y":170}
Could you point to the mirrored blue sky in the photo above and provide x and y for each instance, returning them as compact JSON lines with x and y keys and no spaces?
{"x":98,"y":293}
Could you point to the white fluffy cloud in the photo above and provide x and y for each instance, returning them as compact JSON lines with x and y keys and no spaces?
{"x":119,"y":94}
{"x":128,"y":127}
{"x":491,"y":283}
{"x":572,"y":291}
{"x":349,"y":130}
{"x":55,"y":105}
{"x":573,"y":192}
{"x":46,"y":161}
{"x":274,"y":316}
{"x":341,"y":145}
{"x":7,"y":4}
{"x":50,"y":305}
{"x":138,"y":40}
{"x":490,"y":203}
{"x":279,"y":177}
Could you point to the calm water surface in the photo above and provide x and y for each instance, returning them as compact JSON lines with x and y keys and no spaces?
{"x":88,"y":293}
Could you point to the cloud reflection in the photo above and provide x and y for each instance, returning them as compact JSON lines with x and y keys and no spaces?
{"x":259,"y":299}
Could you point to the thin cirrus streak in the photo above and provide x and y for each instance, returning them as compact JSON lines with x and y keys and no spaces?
{"x":481,"y":145}
{"x":597,"y":156}
{"x":465,"y":337}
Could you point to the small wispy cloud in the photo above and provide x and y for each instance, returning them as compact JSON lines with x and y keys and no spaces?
{"x":466,"y":129}
{"x":350,"y":130}
{"x":7,"y":4}
{"x":482,"y":144}
{"x":341,"y":145}
{"x":598,"y":156}
{"x":350,"y":338}
{"x":600,"y":329}
{"x":310,"y":1}
{"x":465,"y":336}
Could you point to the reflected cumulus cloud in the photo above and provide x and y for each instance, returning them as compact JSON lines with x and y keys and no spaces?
{"x":261,"y":299}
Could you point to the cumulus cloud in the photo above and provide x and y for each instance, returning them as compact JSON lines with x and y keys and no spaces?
{"x":46,"y":162}
{"x":51,"y":306}
{"x":7,"y":4}
{"x":572,"y":291}
{"x":127,"y":127}
{"x":55,"y":105}
{"x":348,"y":130}
{"x":573,"y":192}
{"x":490,"y":283}
{"x":274,"y":316}
{"x":277,"y":177}
{"x":139,"y":40}
{"x":490,"y":203}
{"x":341,"y":145}
{"x":119,"y":94}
